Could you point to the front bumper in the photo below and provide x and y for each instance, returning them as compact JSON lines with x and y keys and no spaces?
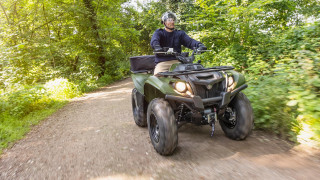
{"x":199,"y":103}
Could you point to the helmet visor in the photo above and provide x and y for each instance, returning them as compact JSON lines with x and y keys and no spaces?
{"x":170,"y":20}
{"x":168,"y":16}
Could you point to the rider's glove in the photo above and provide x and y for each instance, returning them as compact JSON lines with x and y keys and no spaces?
{"x":201,"y":47}
{"x":158,"y":48}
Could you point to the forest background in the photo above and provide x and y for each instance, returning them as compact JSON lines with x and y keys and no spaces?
{"x":54,"y":50}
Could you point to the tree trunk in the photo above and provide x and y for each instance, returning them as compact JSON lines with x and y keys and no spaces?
{"x":49,"y":38}
{"x":94,"y":25}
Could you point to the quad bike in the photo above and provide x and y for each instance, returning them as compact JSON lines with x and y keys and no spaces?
{"x":188,"y":93}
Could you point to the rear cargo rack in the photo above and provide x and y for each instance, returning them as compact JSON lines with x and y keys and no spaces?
{"x":177,"y":73}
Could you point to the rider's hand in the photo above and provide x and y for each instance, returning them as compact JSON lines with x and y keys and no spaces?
{"x":158,"y":48}
{"x":201,"y":47}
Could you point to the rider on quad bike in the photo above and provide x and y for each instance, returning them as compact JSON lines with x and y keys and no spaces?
{"x":177,"y":91}
{"x":170,"y":38}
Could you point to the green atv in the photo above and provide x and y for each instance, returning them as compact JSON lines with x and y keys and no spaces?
{"x":188,"y":93}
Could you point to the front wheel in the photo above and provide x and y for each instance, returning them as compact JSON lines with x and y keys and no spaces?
{"x":162,"y":126}
{"x":237,"y":122}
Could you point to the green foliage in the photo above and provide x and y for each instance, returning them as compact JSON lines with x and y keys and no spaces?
{"x":51,"y":51}
{"x":61,"y":89}
{"x":13,"y":128}
{"x":290,"y":84}
{"x":79,"y":41}
{"x":23,"y":108}
{"x":21,"y":102}
{"x":269,"y":96}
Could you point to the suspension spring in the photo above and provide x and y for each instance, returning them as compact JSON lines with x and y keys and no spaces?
{"x":181,"y":111}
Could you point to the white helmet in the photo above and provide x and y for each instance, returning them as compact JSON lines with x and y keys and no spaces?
{"x":168,"y":15}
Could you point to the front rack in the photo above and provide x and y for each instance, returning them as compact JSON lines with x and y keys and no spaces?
{"x":194,"y":71}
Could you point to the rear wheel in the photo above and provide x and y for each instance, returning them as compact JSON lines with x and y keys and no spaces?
{"x":237,"y":122}
{"x":138,"y":107}
{"x":162,"y":126}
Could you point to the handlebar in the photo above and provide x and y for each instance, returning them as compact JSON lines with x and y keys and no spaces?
{"x":182,"y":58}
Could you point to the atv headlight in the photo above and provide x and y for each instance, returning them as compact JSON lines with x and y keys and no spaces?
{"x":230,"y":80}
{"x":180,"y":87}
{"x":231,"y":83}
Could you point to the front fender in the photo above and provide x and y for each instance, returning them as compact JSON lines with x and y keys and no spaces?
{"x":158,"y":87}
{"x":139,"y":80}
{"x":238,"y":78}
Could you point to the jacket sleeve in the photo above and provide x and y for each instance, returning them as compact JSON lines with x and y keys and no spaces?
{"x":155,"y":40}
{"x":188,"y":41}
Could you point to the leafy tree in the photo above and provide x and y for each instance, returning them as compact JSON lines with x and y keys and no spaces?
{"x":79,"y":40}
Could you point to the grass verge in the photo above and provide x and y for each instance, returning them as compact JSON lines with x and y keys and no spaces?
{"x":13,"y":129}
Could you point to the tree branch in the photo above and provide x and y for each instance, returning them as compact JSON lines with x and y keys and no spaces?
{"x":47,"y":22}
{"x":4,"y":11}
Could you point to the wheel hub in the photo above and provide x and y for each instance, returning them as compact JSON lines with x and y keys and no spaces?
{"x":230,"y":116}
{"x":155,"y":129}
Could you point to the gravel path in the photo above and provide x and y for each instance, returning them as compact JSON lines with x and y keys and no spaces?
{"x":95,"y":137}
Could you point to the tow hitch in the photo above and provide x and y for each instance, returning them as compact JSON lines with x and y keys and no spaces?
{"x":211,"y":117}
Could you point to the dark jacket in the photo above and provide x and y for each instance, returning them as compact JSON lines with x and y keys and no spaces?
{"x":172,"y":40}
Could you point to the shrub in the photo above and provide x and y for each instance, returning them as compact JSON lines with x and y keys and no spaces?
{"x":21,"y":102}
{"x":291,"y":84}
{"x":287,"y":102}
{"x":61,"y":89}
{"x":269,"y":97}
{"x":22,"y":108}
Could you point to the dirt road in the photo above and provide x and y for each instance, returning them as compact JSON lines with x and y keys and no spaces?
{"x":95,"y":137}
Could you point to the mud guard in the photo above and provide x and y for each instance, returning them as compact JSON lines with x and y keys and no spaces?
{"x":158,"y":87}
{"x":139,"y":80}
{"x":239,"y":79}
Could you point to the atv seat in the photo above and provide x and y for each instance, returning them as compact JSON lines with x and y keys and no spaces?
{"x":140,"y":64}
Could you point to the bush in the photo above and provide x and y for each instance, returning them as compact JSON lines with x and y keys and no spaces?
{"x":269,"y":97}
{"x":286,"y":99}
{"x":61,"y":89}
{"x":21,"y":102}
{"x":22,"y":108}
{"x":304,"y":94}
